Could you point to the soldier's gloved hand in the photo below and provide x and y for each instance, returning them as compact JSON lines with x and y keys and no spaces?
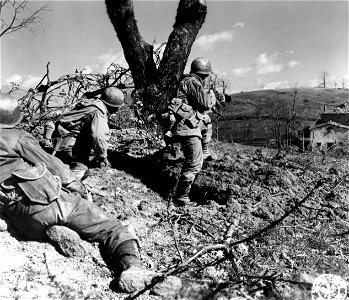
{"x":78,"y":187}
{"x":100,"y":162}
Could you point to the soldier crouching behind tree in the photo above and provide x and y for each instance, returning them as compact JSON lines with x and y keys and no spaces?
{"x":85,"y":127}
{"x":38,"y":191}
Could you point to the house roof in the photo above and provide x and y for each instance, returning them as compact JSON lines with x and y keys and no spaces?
{"x":341,"y":118}
{"x":328,"y":123}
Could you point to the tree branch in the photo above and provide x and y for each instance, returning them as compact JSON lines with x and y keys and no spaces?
{"x":138,"y":53}
{"x":190,"y":17}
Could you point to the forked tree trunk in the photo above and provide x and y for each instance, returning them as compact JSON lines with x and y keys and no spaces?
{"x":156,"y":86}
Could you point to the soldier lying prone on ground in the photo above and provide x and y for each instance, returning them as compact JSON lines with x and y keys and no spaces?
{"x":38,"y":191}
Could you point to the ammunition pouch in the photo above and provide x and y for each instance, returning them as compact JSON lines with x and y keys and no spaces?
{"x":178,"y":111}
{"x":194,"y":120}
{"x":36,"y":182}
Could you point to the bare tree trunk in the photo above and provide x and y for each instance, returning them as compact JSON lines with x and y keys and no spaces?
{"x":155,"y":87}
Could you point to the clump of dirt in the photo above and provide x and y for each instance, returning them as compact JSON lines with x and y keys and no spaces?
{"x":245,"y":234}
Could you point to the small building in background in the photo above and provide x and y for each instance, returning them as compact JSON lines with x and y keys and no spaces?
{"x":331,"y":130}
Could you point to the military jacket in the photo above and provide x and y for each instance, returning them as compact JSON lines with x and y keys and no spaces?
{"x":191,"y":92}
{"x":89,"y":116}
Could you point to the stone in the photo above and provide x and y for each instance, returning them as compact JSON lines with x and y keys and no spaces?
{"x":135,"y":279}
{"x":168,"y":288}
{"x":67,"y":240}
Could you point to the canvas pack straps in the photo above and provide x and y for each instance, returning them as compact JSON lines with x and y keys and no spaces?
{"x":180,"y":109}
{"x":36,"y":182}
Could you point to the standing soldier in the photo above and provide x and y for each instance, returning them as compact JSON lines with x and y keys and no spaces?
{"x":85,"y":127}
{"x":191,"y":125}
{"x":38,"y":191}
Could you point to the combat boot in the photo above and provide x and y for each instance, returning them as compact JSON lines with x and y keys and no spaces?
{"x":182,"y":193}
{"x":207,"y":153}
{"x":135,"y":277}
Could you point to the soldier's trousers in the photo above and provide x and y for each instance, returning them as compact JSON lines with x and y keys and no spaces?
{"x":192,"y":147}
{"x":193,"y":160}
{"x":72,"y":150}
{"x":71,"y":210}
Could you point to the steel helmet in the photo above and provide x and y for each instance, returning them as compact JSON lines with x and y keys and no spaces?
{"x":112,"y":96}
{"x":10,"y":112}
{"x":201,"y":65}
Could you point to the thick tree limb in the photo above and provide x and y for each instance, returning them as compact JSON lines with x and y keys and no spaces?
{"x":190,"y":17}
{"x":138,"y":54}
{"x":157,"y":86}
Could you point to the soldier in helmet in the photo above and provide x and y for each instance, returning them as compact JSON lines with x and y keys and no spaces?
{"x":192,"y":126}
{"x":85,"y":127}
{"x":38,"y":191}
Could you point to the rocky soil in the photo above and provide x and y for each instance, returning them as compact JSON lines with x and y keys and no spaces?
{"x":262,"y":224}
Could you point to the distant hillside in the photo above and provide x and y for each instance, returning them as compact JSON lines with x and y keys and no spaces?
{"x":246,"y":117}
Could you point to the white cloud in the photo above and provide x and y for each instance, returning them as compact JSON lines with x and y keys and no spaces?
{"x":31,"y":81}
{"x":293,"y":63}
{"x":239,"y":25}
{"x":103,"y":61}
{"x":206,"y":42}
{"x":15,"y":78}
{"x":241,"y":71}
{"x":276,"y":85}
{"x":26,"y":82}
{"x":268,"y":64}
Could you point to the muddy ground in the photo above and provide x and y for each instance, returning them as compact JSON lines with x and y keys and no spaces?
{"x":284,"y":215}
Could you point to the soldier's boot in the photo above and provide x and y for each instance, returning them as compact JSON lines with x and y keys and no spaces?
{"x":207,"y":153}
{"x":80,"y":170}
{"x":182,"y":193}
{"x":135,"y":277}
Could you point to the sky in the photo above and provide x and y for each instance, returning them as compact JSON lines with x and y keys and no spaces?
{"x":252,"y":45}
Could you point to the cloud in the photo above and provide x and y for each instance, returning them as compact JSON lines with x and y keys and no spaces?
{"x":239,"y":25}
{"x":15,"y":78}
{"x":206,"y":42}
{"x":277,"y":85}
{"x":102,"y":62}
{"x":31,"y":81}
{"x":241,"y":71}
{"x":268,"y":64}
{"x":293,"y":63}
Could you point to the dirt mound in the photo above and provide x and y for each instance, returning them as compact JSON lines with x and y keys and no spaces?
{"x":256,"y":227}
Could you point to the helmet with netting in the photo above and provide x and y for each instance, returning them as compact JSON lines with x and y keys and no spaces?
{"x":112,"y":96}
{"x":201,"y":65}
{"x":10,"y":112}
